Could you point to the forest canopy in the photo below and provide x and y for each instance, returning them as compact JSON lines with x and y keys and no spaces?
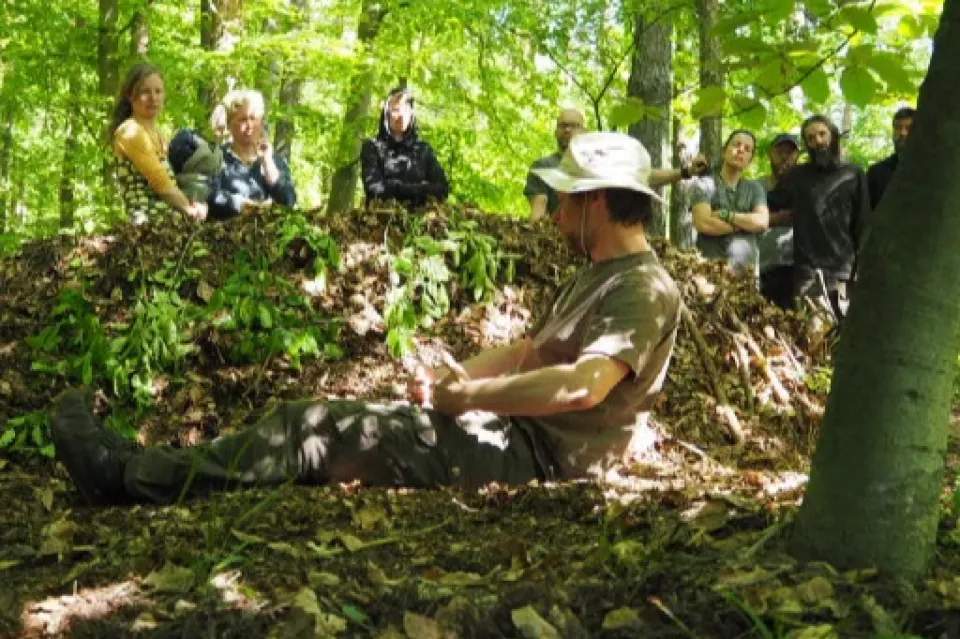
{"x":488,"y":75}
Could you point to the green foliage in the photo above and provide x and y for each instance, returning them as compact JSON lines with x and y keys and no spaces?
{"x":75,"y":345}
{"x":425,"y":269}
{"x":268,"y":316}
{"x":155,"y":343}
{"x":294,"y":226}
{"x":28,"y":433}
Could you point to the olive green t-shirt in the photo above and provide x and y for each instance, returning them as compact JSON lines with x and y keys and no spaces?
{"x":627,"y":308}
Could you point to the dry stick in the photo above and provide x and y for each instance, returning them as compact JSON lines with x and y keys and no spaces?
{"x":744,"y":331}
{"x":724,"y":411}
{"x":743,"y":365}
{"x":704,"y":351}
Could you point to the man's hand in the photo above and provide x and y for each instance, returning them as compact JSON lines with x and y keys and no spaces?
{"x":197,"y":211}
{"x":420,"y":386}
{"x":698,"y":166}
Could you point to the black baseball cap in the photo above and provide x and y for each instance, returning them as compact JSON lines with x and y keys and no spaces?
{"x":786,"y":137}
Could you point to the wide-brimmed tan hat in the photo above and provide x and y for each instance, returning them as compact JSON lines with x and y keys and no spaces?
{"x":601,"y":160}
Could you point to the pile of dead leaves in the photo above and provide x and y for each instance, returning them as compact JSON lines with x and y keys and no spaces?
{"x":740,"y":379}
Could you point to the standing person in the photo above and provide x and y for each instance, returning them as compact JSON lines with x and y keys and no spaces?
{"x":252,"y":176}
{"x":397,"y":164}
{"x":563,"y":402}
{"x":570,"y":122}
{"x":776,"y":243}
{"x":146,"y":185}
{"x":880,"y":174}
{"x":729,"y":211}
{"x":543,"y":199}
{"x":830,"y":202}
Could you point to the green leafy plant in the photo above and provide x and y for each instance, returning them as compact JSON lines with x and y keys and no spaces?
{"x":28,"y":433}
{"x":424,"y":270}
{"x":268,"y":316}
{"x":326,"y":252}
{"x":74,"y":345}
{"x":155,"y":343}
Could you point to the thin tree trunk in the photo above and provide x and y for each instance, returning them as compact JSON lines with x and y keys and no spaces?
{"x":343,"y":184}
{"x":681,"y":221}
{"x":6,"y":153}
{"x":651,"y":80}
{"x":68,"y":174}
{"x":711,"y":75}
{"x":876,"y":479}
{"x":140,"y":34}
{"x":217,"y":18}
{"x":108,"y":78}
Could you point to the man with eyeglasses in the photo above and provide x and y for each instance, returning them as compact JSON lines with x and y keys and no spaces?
{"x":544,"y":200}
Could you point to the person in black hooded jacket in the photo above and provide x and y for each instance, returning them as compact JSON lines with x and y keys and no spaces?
{"x":397,"y":164}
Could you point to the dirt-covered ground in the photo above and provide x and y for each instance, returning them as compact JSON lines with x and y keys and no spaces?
{"x":688,"y":539}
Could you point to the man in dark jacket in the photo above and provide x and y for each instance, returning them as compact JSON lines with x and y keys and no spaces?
{"x":880,"y":174}
{"x":829,"y":203}
{"x":397,"y":164}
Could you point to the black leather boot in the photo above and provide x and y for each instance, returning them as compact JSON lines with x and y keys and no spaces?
{"x":94,"y":456}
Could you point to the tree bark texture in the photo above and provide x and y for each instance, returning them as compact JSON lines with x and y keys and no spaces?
{"x":343,"y":184}
{"x":681,"y":218}
{"x":108,"y":77}
{"x":651,"y":80}
{"x":291,"y":87}
{"x":873,"y":496}
{"x":6,"y":153}
{"x":711,"y":75}
{"x":217,"y":17}
{"x":140,"y":33}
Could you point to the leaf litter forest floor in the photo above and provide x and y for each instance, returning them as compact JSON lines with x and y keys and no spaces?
{"x":687,"y":539}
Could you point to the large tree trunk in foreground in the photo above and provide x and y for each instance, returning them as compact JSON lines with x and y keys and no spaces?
{"x":651,"y":80}
{"x":873,"y":496}
{"x":343,"y":185}
{"x":711,"y":75}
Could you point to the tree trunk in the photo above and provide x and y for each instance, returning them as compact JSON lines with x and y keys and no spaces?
{"x":68,"y":174}
{"x":681,"y":220}
{"x":873,"y":496}
{"x":6,"y":152}
{"x":651,"y":80}
{"x":216,"y":19}
{"x":711,"y":75}
{"x":108,"y":78}
{"x":343,"y":184}
{"x":140,"y":34}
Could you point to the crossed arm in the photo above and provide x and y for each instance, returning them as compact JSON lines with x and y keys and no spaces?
{"x":510,"y":381}
{"x":707,"y":223}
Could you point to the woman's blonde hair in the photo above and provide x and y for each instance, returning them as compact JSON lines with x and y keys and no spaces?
{"x":233,"y":101}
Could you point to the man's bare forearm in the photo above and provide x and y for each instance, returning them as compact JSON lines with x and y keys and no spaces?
{"x":549,"y":390}
{"x":501,"y":360}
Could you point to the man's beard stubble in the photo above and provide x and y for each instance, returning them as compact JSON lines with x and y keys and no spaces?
{"x":824,"y":159}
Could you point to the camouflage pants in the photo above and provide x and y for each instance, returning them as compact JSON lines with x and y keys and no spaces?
{"x":322,"y":442}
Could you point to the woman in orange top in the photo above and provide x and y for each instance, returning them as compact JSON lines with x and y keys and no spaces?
{"x":144,"y":178}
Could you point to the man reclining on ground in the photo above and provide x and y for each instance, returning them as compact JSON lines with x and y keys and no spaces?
{"x":561,"y":403}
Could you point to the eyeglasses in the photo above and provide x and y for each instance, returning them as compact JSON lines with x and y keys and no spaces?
{"x":569,"y":125}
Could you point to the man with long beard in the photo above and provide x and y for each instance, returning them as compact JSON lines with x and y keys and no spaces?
{"x":830,"y":202}
{"x":564,"y":402}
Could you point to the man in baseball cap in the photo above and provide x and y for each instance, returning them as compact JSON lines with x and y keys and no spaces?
{"x":563,"y":402}
{"x":776,"y":243}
